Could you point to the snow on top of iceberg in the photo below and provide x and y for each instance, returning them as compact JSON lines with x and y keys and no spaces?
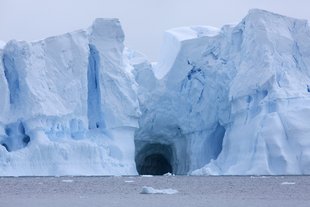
{"x":135,"y":57}
{"x":104,"y":28}
{"x":261,"y":13}
{"x":271,"y":23}
{"x":173,"y":41}
{"x":192,"y":32}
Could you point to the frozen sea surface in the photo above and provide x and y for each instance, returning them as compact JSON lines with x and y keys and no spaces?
{"x":126,"y":191}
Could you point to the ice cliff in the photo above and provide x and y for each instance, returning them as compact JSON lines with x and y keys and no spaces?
{"x":68,"y":104}
{"x":234,"y":100}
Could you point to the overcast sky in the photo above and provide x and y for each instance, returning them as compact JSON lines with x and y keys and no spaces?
{"x":143,"y":21}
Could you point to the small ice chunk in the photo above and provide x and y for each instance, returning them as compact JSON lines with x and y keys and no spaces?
{"x":258,"y":176}
{"x":147,"y":176}
{"x":129,"y":181}
{"x":288,"y":183}
{"x":150,"y":190}
{"x":67,"y":181}
{"x":168,"y":174}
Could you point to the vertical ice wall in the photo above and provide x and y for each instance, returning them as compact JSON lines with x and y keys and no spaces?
{"x":69,"y":104}
{"x":95,"y":116}
{"x":47,"y":77}
{"x":270,"y":88}
{"x":4,"y":101}
{"x":119,"y":102}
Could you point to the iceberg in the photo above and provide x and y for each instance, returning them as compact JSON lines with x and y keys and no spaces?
{"x":69,"y":104}
{"x":233,"y":101}
{"x":228,"y":101}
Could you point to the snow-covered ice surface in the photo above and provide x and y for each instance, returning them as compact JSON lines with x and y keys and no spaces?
{"x":234,"y":100}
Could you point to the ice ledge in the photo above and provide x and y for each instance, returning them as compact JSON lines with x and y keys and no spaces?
{"x":270,"y":19}
{"x":193,"y":32}
{"x":260,"y":13}
{"x":101,"y":28}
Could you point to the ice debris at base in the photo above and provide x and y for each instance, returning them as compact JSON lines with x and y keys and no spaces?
{"x":150,"y":190}
{"x":288,"y":183}
{"x":223,"y":101}
{"x":67,"y":181}
{"x":147,"y":176}
{"x":168,"y":174}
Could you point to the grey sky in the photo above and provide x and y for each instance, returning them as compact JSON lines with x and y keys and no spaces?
{"x":143,"y":21}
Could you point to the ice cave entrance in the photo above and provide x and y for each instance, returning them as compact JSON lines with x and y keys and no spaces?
{"x":154,"y":159}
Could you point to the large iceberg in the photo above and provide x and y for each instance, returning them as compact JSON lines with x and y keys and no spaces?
{"x":234,"y":100}
{"x":231,"y":101}
{"x":68,"y":105}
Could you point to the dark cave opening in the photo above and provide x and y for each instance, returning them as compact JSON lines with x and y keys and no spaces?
{"x":155,"y":164}
{"x":154,"y":159}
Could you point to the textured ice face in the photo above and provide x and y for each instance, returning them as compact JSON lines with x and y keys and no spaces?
{"x":76,"y":101}
{"x":47,"y":77}
{"x":233,"y":100}
{"x":230,"y":98}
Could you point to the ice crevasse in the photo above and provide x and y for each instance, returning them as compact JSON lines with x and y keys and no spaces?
{"x":227,"y":101}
